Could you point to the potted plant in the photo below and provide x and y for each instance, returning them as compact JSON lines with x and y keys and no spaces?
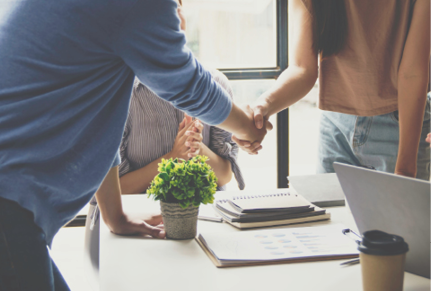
{"x":181,"y":186}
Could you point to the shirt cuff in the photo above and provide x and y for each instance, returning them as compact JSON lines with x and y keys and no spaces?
{"x":117,"y":159}
{"x":230,"y":153}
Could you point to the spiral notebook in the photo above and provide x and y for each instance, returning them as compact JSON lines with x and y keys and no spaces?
{"x":248,"y":210}
{"x":283,"y":201}
{"x":275,"y":246}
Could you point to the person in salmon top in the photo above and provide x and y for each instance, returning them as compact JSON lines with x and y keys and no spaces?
{"x":371,"y":58}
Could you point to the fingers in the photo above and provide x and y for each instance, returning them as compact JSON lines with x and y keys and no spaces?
{"x":258,"y":117}
{"x":251,"y":148}
{"x":132,"y":226}
{"x":188,"y":118}
{"x":196,"y":136}
{"x":194,"y":145}
{"x":194,"y":142}
{"x":268,"y":125}
{"x":154,"y":219}
{"x":198,"y":127}
{"x":254,"y":148}
{"x":151,"y":226}
{"x":186,"y":127}
{"x":241,"y":143}
{"x":155,"y":232}
{"x":193,"y":152}
{"x":182,"y":125}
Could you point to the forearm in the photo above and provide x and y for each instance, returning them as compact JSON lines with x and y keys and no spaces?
{"x":109,"y":199}
{"x":138,"y":181}
{"x":221,"y":167}
{"x":291,"y":86}
{"x":411,"y":106}
{"x":237,"y":121}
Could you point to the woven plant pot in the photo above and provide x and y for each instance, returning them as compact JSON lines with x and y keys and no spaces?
{"x":179,"y":223}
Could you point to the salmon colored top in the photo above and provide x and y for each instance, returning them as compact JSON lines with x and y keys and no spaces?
{"x":362,"y":78}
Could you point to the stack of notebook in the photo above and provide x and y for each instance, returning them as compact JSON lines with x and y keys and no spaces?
{"x":259,"y":210}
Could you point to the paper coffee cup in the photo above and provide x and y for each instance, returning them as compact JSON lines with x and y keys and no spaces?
{"x":382,"y":259}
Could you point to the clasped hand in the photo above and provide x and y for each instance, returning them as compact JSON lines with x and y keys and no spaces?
{"x":189,"y":139}
{"x":259,"y":126}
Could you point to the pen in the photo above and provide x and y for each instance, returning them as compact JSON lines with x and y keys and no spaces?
{"x":350,"y":263}
{"x":210,"y":218}
{"x":348,"y":231}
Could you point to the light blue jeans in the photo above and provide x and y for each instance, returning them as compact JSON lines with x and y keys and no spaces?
{"x":370,"y":141}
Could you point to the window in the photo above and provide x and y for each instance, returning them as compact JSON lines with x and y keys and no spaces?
{"x":247,"y":41}
{"x":232,"y":34}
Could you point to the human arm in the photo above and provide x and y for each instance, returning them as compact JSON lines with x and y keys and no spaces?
{"x":301,"y":75}
{"x":221,"y":167}
{"x":428,"y":139}
{"x":221,"y":144}
{"x":109,"y":201}
{"x":413,"y":78}
{"x":151,"y":43}
{"x":295,"y":82}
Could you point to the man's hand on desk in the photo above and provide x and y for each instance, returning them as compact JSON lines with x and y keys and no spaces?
{"x":109,"y":200}
{"x":150,"y":225}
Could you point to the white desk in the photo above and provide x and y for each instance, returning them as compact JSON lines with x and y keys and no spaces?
{"x":137,"y":263}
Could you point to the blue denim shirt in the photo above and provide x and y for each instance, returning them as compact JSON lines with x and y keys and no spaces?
{"x":66,"y":73}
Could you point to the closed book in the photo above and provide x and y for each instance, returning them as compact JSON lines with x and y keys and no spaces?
{"x":268,"y":223}
{"x":228,"y":213}
{"x":259,"y":209}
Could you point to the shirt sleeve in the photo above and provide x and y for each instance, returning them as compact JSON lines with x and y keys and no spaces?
{"x":221,"y":141}
{"x":117,"y":160}
{"x":151,"y":43}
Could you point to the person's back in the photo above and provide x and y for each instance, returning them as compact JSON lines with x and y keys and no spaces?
{"x":55,"y":69}
{"x":67,"y":70}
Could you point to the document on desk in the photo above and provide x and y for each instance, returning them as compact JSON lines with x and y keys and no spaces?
{"x":274,"y":246}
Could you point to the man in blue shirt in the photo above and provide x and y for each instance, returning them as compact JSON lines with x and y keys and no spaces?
{"x":66,"y":73}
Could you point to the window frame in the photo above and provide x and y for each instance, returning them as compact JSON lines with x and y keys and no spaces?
{"x":273,"y":73}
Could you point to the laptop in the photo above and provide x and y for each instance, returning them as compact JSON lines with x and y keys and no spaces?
{"x":393,"y":204}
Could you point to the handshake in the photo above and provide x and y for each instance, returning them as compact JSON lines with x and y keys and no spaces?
{"x":253,"y":127}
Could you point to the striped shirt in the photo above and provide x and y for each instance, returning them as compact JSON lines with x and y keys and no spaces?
{"x":152,"y":126}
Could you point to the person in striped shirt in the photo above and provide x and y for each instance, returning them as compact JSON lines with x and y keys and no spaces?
{"x":155,"y":129}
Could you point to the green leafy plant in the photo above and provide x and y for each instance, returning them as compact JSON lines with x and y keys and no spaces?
{"x":189,"y":182}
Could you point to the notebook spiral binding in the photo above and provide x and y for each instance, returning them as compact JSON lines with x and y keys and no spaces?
{"x":257,"y":196}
